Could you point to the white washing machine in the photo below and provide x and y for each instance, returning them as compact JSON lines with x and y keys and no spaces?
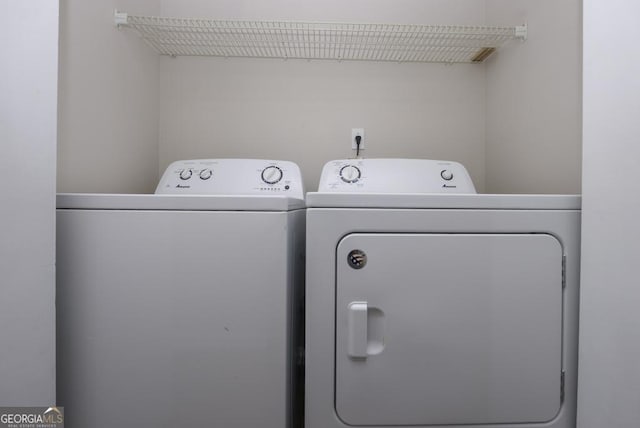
{"x":184,"y":308}
{"x":429,"y":305}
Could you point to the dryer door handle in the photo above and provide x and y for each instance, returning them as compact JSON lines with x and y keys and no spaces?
{"x":357,"y":329}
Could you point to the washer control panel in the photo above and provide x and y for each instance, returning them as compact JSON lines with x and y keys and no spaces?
{"x":395,"y":176}
{"x":232,"y":177}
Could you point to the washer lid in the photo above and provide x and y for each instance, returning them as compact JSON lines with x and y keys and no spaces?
{"x":93,"y":201}
{"x":439,"y":201}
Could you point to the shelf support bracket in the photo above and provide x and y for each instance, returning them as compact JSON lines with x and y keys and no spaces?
{"x":120,"y":18}
{"x":521,"y":32}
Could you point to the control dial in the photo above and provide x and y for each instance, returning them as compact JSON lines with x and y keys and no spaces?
{"x":186,"y":174}
{"x":350,"y":173}
{"x":446,"y":174}
{"x":206,"y":174}
{"x":271,"y":174}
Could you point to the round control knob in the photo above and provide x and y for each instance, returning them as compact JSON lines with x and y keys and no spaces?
{"x":186,"y":174}
{"x":350,"y":173}
{"x":271,"y":174}
{"x":206,"y":174}
{"x":446,"y":174}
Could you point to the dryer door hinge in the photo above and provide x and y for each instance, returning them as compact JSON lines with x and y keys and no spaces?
{"x":562,"y":387}
{"x":564,"y":271}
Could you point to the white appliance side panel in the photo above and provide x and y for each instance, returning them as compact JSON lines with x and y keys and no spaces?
{"x":458,"y":329}
{"x":173,"y":318}
{"x":28,"y":136}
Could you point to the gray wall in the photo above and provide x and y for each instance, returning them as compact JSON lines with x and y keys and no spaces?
{"x":28,"y":84}
{"x":609,"y":383}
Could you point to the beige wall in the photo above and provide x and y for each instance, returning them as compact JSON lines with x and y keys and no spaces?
{"x":534,"y":100}
{"x":126,"y":113}
{"x":386,"y":11}
{"x":108,"y":103}
{"x":304,"y":111}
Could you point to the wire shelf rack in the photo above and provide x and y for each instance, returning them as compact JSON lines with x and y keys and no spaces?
{"x":316,"y":40}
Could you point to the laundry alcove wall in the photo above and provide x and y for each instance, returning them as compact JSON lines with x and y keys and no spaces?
{"x":127,"y":112}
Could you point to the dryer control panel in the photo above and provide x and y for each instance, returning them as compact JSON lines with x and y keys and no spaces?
{"x":232,"y":177}
{"x":395,"y":176}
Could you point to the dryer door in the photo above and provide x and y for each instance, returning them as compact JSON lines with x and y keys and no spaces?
{"x":448,"y":329}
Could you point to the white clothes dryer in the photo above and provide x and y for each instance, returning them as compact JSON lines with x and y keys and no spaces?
{"x":429,"y":305}
{"x":184,"y":308}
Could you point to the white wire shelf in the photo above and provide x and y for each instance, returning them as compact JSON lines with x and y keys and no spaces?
{"x":315,"y":40}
